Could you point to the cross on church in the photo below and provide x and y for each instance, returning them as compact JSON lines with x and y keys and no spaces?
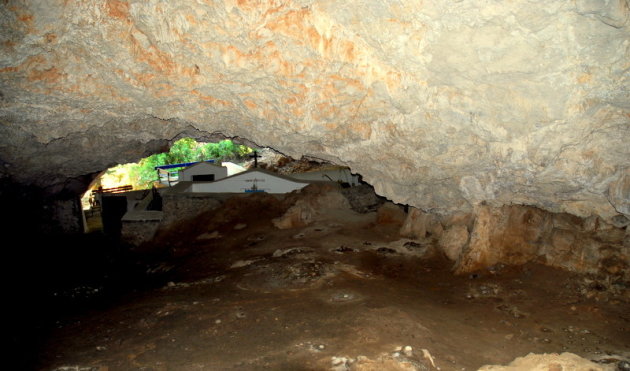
{"x":255,"y":156}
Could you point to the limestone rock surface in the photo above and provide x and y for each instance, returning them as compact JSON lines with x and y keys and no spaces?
{"x":552,"y":361}
{"x":310,"y":204}
{"x":453,"y":241}
{"x":509,"y":235}
{"x":516,"y":235}
{"x":439,"y":105}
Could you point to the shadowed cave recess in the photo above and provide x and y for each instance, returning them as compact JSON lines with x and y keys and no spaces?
{"x":440,"y":186}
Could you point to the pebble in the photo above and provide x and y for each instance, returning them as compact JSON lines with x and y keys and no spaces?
{"x":341,"y":363}
{"x":408,"y":350}
{"x":337,"y":361}
{"x":623,"y":366}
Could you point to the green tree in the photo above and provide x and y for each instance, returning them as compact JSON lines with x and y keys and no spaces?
{"x":144,"y":172}
{"x":183,"y":151}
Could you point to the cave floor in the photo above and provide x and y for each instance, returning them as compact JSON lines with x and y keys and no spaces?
{"x":341,"y":293}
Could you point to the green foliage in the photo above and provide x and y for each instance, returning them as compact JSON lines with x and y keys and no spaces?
{"x":224,"y":150}
{"x":143,"y":173}
{"x":182,"y":151}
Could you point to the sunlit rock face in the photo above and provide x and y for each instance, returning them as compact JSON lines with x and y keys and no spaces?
{"x":438,"y":104}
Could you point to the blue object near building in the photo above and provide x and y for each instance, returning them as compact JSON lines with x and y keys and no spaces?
{"x":186,"y":164}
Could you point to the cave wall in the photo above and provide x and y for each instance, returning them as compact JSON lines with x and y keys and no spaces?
{"x":439,"y":105}
{"x":489,"y":238}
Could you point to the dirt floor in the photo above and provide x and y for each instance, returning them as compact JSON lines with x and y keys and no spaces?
{"x":343,"y":293}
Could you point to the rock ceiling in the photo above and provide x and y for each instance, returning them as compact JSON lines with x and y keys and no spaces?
{"x":438,"y":104}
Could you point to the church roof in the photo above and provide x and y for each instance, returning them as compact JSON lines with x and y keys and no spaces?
{"x":202,"y":163}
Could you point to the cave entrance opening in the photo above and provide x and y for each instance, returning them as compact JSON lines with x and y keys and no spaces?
{"x":126,"y":187}
{"x":131,"y":182}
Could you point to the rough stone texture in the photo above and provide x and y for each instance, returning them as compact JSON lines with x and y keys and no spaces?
{"x":420,"y":224}
{"x":619,"y":193}
{"x":65,"y":212}
{"x":390,"y":213}
{"x":510,"y":235}
{"x":179,"y":207}
{"x":520,"y":234}
{"x":362,"y":198}
{"x":551,"y":362}
{"x":312,"y":202}
{"x":453,"y":241}
{"x":439,"y":105}
{"x":138,"y":232}
{"x":415,"y":225}
{"x":589,"y":247}
{"x":298,"y":215}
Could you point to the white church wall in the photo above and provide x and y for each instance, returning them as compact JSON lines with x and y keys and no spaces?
{"x":245,"y":181}
{"x":187,"y":174}
{"x":233,"y":169}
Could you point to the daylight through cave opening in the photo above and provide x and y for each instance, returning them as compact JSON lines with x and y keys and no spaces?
{"x":121,"y":193}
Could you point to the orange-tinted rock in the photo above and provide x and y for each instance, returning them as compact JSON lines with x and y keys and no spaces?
{"x":453,"y":241}
{"x":549,"y":362}
{"x":508,"y":235}
{"x":415,"y":225}
{"x":312,"y":202}
{"x":390,"y":213}
{"x":515,"y":235}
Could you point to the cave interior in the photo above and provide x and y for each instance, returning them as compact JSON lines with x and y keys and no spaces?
{"x":491,"y":225}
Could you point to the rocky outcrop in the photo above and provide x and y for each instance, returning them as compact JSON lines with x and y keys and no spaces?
{"x":362,"y":198}
{"x":310,"y":204}
{"x":438,"y":105}
{"x":553,"y":361}
{"x":390,"y":213}
{"x":453,"y":241}
{"x":619,"y":197}
{"x":515,"y":235}
{"x":508,"y":235}
{"x":420,"y":224}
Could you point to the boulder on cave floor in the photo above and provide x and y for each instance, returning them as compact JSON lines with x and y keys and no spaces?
{"x":551,"y":362}
{"x":313,"y":202}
